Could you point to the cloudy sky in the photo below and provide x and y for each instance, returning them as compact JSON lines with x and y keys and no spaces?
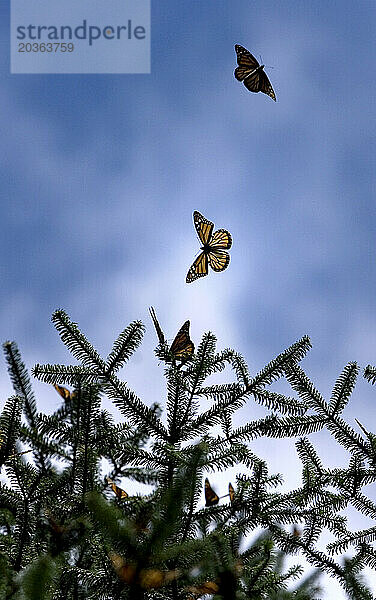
{"x":100,"y":175}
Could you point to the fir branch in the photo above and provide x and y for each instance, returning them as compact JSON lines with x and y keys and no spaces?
{"x":354,"y":539}
{"x":65,"y":374}
{"x":279,"y":402}
{"x":228,"y":457}
{"x":276,"y":368}
{"x":306,"y":390}
{"x":241,"y":369}
{"x":308,"y":455}
{"x":292,"y":426}
{"x":337,"y":426}
{"x":229,"y":399}
{"x":250,"y":431}
{"x":10,"y":421}
{"x":125,"y":345}
{"x":370,"y":374}
{"x":343,"y":388}
{"x":133,"y":408}
{"x":76,"y":342}
{"x":20,"y":380}
{"x":364,"y":505}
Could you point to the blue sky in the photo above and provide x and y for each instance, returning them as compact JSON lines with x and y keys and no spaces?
{"x":100,"y":175}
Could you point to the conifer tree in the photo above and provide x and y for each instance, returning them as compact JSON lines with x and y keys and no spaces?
{"x":68,"y":530}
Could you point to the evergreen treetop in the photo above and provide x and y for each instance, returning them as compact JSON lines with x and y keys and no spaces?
{"x":69,"y":530}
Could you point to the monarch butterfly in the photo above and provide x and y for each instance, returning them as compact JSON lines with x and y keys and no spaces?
{"x":120,"y":493}
{"x":64,"y":393}
{"x":146,"y":578}
{"x":211,"y":497}
{"x":213,"y":249}
{"x":251,"y":73}
{"x":182,"y":347}
{"x":208,"y":587}
{"x":231,"y":493}
{"x":296,"y":532}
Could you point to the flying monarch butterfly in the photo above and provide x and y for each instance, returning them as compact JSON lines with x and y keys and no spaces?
{"x":213,"y":249}
{"x":64,"y":393}
{"x":182,"y":347}
{"x":231,"y":493}
{"x":120,"y":493}
{"x":251,"y":73}
{"x":211,"y":497}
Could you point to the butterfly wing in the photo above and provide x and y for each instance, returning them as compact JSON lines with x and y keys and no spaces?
{"x":265,"y":86}
{"x":182,"y":347}
{"x":208,"y":587}
{"x":252,"y":82}
{"x":63,"y":392}
{"x":221,"y":240}
{"x":118,"y":491}
{"x":231,"y":492}
{"x":211,"y":497}
{"x":158,"y":329}
{"x":246,"y":61}
{"x":218,"y":260}
{"x":203,"y":226}
{"x":296,"y":532}
{"x":198,"y":269}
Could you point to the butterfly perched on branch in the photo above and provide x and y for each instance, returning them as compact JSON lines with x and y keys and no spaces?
{"x":251,"y":73}
{"x":120,"y":493}
{"x":296,"y":532}
{"x":213,"y":249}
{"x":211,"y":497}
{"x":64,"y":393}
{"x":231,"y":493}
{"x":147,"y":578}
{"x":182,"y":347}
{"x":208,"y":587}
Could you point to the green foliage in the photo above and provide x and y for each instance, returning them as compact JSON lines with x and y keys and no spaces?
{"x":64,"y":534}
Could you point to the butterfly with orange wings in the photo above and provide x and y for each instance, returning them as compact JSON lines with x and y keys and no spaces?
{"x":213,"y":249}
{"x":251,"y":73}
{"x":147,"y":578}
{"x":64,"y":393}
{"x":211,"y":498}
{"x":231,"y":493}
{"x":118,"y":491}
{"x":182,"y":347}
